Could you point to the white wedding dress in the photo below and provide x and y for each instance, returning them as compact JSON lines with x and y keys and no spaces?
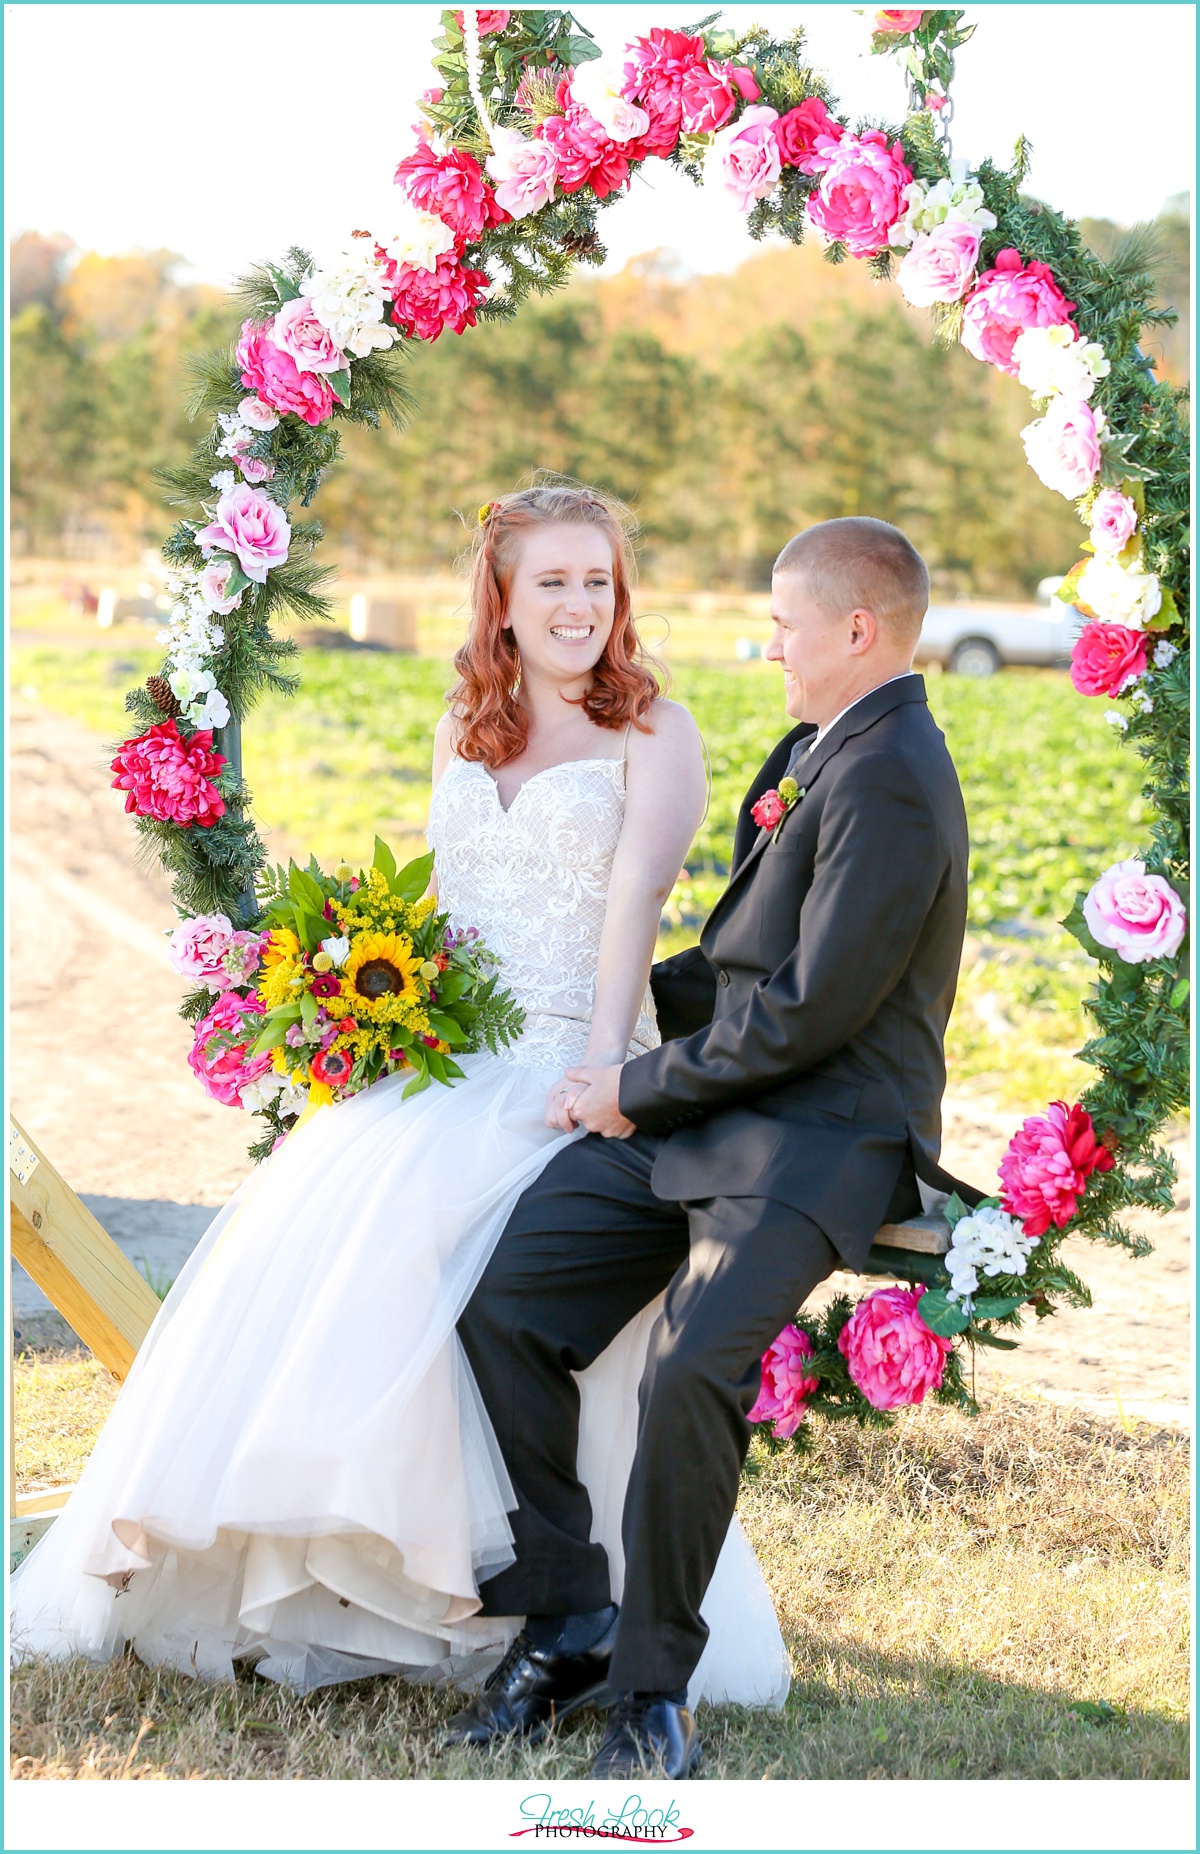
{"x":299,"y":1467}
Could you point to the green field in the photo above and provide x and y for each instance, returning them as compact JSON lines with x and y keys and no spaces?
{"x":1051,"y":795}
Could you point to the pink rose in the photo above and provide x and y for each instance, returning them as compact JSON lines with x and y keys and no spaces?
{"x":655,"y":70}
{"x":1138,"y":916}
{"x":256,"y":469}
{"x":525,"y":170}
{"x":257,"y":413}
{"x":489,"y":19}
{"x":275,"y":378}
{"x":208,"y":951}
{"x":1008,"y":299}
{"x":252,"y":527}
{"x":585,"y":154}
{"x":297,"y":332}
{"x":452,"y":186}
{"x":170,"y":779}
{"x":861,"y":194}
{"x":710,"y":93}
{"x":898,"y":18}
{"x":219,"y":1055}
{"x":427,"y":301}
{"x":1107,"y":658}
{"x":891,"y":1354}
{"x":1063,"y":447}
{"x":213,"y":583}
{"x":786,"y":1385}
{"x":939,"y":265}
{"x":1113,"y":519}
{"x":1048,"y":1163}
{"x":797,"y":134}
{"x":744,"y":158}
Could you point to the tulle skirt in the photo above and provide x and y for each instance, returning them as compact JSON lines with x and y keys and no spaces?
{"x":299,"y":1468}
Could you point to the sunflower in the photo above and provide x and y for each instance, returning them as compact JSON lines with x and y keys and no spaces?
{"x":381,"y":966}
{"x":281,"y":944}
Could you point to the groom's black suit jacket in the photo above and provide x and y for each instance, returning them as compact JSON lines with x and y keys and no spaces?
{"x":804,"y":1059}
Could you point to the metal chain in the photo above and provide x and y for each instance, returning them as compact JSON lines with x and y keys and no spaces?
{"x":944,"y":117}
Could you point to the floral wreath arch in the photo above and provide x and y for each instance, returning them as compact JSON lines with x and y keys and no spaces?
{"x":531,"y":133}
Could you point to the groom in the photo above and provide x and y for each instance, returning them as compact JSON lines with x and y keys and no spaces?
{"x":792,"y":1109}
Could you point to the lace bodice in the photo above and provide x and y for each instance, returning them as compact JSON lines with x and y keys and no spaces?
{"x":534,"y":880}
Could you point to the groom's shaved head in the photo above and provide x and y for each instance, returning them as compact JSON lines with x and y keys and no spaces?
{"x":858,"y":562}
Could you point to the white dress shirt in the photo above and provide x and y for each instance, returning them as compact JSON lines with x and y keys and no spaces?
{"x":822,"y":731}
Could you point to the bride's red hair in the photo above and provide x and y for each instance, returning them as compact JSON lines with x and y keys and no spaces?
{"x":492,"y":725}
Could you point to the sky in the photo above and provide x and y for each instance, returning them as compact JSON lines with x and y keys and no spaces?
{"x":223,"y":133}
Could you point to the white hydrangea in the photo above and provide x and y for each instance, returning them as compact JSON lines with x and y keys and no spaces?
{"x":1164,"y":654}
{"x":1057,"y":360}
{"x":1142,"y":700}
{"x":1115,"y":719}
{"x":959,"y":197}
{"x":989,"y":1242}
{"x":350,"y":299}
{"x":224,"y":481}
{"x":1119,"y":594}
{"x":420,"y":238}
{"x":195,"y":689}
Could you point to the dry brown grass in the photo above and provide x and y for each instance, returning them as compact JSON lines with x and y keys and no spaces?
{"x":60,"y":1402}
{"x":951,"y":1593}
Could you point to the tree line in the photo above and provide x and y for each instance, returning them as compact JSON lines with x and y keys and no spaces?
{"x":729,"y":411}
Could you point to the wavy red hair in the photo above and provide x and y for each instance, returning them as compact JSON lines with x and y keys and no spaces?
{"x":492,"y":725}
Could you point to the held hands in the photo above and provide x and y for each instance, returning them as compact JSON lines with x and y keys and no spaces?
{"x":596,"y":1103}
{"x":559,"y":1103}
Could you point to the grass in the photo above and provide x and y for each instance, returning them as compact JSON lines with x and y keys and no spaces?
{"x":1052,"y":798}
{"x":1006,"y":1598}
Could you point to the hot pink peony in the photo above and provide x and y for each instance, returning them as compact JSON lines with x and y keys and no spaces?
{"x":769,"y":809}
{"x":710,"y":93}
{"x":170,"y":779}
{"x":452,"y":186}
{"x":1106,"y":658}
{"x":489,"y":19}
{"x":655,"y":71}
{"x":786,"y":1385}
{"x":1063,"y":448}
{"x":297,"y":331}
{"x":276,"y":379}
{"x":525,"y":170}
{"x":797,"y":133}
{"x":1048,"y":1163}
{"x":861,"y":194}
{"x":1008,"y":299}
{"x":939,"y":265}
{"x":219,"y":1054}
{"x":1138,"y":916}
{"x":1113,"y":519}
{"x":744,"y":159}
{"x":249,"y":525}
{"x":891,"y":1354}
{"x":428,"y":301}
{"x":898,"y":18}
{"x":585,"y":153}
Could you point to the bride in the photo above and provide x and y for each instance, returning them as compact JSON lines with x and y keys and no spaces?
{"x":299,"y":1469}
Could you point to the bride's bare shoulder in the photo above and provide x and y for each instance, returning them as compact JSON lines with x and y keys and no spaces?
{"x":445,"y":744}
{"x":668,"y":731}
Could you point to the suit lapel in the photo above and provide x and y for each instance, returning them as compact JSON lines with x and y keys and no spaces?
{"x":857,"y":720}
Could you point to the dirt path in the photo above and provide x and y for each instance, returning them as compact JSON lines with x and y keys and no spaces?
{"x":98,"y":1074}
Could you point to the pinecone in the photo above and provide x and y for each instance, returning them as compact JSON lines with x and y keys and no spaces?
{"x":575,"y":244}
{"x":159,"y":690}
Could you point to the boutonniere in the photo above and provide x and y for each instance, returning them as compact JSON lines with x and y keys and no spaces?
{"x":774,"y":805}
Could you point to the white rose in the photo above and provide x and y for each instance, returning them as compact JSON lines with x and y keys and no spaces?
{"x":338,"y":948}
{"x":1057,"y":360}
{"x":420,"y":238}
{"x":1119,"y":594}
{"x":596,"y":87}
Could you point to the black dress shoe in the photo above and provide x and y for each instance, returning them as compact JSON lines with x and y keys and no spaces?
{"x":648,"y":1734}
{"x":532,"y":1690}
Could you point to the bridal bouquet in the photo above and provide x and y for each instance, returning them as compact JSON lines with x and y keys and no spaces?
{"x":343,"y":979}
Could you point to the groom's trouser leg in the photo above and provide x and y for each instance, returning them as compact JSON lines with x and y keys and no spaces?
{"x":751,"y":1264}
{"x":587,"y":1247}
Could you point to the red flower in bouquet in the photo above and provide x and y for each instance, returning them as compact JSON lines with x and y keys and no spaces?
{"x":655,"y":70}
{"x":1047,"y":1166}
{"x":218,"y":1056}
{"x":427,"y":301}
{"x":587,"y":155}
{"x":786,"y":1384}
{"x":891,"y":1354}
{"x":331,"y":1066}
{"x":170,"y":779}
{"x":797,"y":132}
{"x":452,"y":186}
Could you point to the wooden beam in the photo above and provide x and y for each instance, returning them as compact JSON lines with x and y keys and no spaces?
{"x":928,"y":1235}
{"x":74,"y":1260}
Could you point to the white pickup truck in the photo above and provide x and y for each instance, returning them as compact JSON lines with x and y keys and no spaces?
{"x":976,"y":639}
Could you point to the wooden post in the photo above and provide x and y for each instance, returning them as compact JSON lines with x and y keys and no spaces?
{"x":74,"y":1260}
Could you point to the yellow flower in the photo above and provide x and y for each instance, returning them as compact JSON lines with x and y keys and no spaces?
{"x":282,"y":944}
{"x":342,"y":873}
{"x":380,"y":972}
{"x":322,"y":962}
{"x":430,"y":971}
